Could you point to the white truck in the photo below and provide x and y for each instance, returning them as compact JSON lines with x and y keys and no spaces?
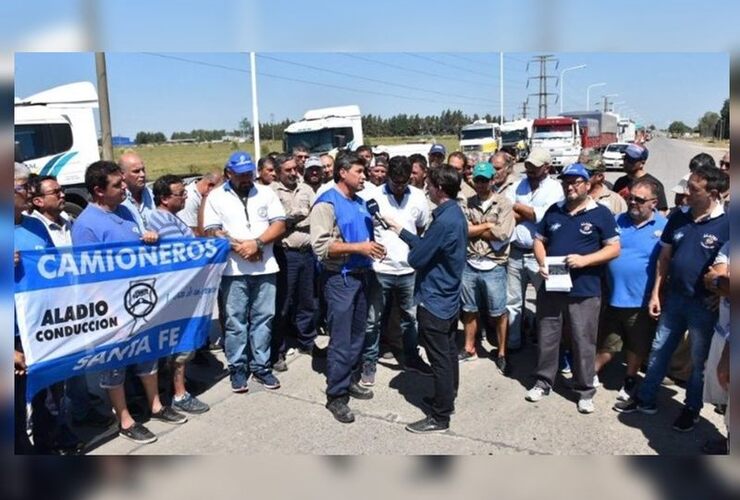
{"x":560,"y":136}
{"x":326,"y":129}
{"x":480,"y":137}
{"x":627,"y":130}
{"x":517,"y":135}
{"x":55,"y":134}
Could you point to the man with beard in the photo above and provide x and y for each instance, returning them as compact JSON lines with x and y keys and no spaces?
{"x":252,"y":217}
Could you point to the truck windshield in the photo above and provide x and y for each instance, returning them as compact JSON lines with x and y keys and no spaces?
{"x":512,"y":136}
{"x":616,"y":148}
{"x":40,"y":140}
{"x":478,"y":133}
{"x":549,"y":129}
{"x":317,"y":141}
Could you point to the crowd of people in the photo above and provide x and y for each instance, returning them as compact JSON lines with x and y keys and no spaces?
{"x":378,"y":252}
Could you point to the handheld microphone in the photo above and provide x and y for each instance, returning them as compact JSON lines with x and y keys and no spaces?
{"x":372,"y":207}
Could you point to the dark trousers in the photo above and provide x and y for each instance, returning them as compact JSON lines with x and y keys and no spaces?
{"x":296,"y":302}
{"x":582,"y":314}
{"x":438,"y":337}
{"x":346,"y":300}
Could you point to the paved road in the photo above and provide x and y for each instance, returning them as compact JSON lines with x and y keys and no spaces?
{"x":492,"y":415}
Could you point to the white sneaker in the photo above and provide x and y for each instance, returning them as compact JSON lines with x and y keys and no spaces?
{"x":535,"y":394}
{"x":623,"y":395}
{"x":586,"y":405}
{"x":597,"y":382}
{"x":291,"y":352}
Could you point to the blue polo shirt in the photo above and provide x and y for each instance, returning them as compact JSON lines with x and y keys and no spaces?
{"x":30,"y":234}
{"x":95,"y":225}
{"x":584,"y":232}
{"x":631,"y":275}
{"x":695,"y":245}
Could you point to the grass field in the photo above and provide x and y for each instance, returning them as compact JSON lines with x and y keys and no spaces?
{"x":199,"y":158}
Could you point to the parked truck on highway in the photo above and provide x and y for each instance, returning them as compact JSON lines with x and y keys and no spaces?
{"x":55,"y":134}
{"x":598,"y":129}
{"x":560,"y":136}
{"x":480,"y":137}
{"x":517,"y":135}
{"x":325,"y":129}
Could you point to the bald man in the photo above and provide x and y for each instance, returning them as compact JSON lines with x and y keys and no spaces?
{"x":139,"y":198}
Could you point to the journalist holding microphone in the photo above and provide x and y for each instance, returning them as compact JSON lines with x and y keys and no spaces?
{"x":439,"y":259}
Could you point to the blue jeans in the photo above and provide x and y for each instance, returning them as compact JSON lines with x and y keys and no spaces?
{"x":680,"y":313}
{"x":346,"y":318}
{"x":521,"y":269}
{"x":249,"y":306}
{"x":381,"y":291}
{"x":484,"y":290}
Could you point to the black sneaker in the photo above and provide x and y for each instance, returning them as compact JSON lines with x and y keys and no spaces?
{"x":632,"y":405}
{"x":503,"y":366}
{"x":280,"y":365}
{"x":427,"y":425}
{"x":686,"y":420}
{"x":418,"y":365}
{"x":95,"y":419}
{"x":716,"y":447}
{"x":138,"y":434}
{"x":167,"y":415}
{"x":464,"y":356}
{"x":319,"y":352}
{"x":359,"y":392}
{"x":338,"y":407}
{"x":429,"y":401}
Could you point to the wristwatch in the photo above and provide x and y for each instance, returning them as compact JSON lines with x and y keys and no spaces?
{"x":260,"y":244}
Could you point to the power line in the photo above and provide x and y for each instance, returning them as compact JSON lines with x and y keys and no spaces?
{"x":298,"y":80}
{"x":460,"y":68}
{"x":399,"y":85}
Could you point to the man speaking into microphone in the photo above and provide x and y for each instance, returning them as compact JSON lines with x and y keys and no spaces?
{"x":342,"y":239}
{"x":439,"y":259}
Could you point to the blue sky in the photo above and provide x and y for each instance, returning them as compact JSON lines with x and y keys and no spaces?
{"x":170,"y":91}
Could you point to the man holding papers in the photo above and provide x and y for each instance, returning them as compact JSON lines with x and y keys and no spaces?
{"x":584,"y":234}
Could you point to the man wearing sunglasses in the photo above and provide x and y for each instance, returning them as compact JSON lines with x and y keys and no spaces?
{"x":625,"y":322}
{"x":585,"y":233}
{"x":300,"y":155}
{"x":634,"y":165}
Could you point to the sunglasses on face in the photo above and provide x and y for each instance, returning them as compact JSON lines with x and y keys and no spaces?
{"x":724,"y":164}
{"x":638,"y":200}
{"x":55,"y":192}
{"x":480,"y":180}
{"x":572,"y":182}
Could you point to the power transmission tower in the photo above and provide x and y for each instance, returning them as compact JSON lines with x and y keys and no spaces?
{"x":525,"y":105}
{"x":543,"y":94}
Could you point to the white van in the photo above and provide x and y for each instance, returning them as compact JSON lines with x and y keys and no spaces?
{"x":55,"y":134}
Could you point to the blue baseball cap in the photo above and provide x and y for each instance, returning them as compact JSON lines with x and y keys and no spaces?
{"x":575,"y":170}
{"x":438,"y":149}
{"x":241,"y":163}
{"x":636,"y":153}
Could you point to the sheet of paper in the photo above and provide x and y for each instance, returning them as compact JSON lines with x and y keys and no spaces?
{"x":559,"y":280}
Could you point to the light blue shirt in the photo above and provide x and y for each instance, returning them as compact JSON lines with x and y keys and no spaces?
{"x":141,"y":212}
{"x":548,"y":192}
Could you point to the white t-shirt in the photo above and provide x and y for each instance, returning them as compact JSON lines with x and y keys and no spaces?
{"x":412,"y":212}
{"x":189,"y":213}
{"x":225,"y":210}
{"x":548,"y":192}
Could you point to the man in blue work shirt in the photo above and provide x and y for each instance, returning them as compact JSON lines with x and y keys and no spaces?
{"x":439,"y":259}
{"x":342,"y":239}
{"x":690,"y":243}
{"x":625,"y":322}
{"x":585,"y":234}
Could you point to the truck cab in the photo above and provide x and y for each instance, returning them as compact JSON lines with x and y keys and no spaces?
{"x":55,"y":135}
{"x":480,"y":137}
{"x":561,"y":137}
{"x":325,"y":129}
{"x":517,"y":135}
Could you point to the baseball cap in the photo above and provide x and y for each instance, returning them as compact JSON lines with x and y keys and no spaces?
{"x":636,"y":153}
{"x":483,"y":169}
{"x":241,"y":163}
{"x":313,"y":161}
{"x":380,"y":160}
{"x":438,"y":149}
{"x":538,"y":157}
{"x":680,"y":188}
{"x":575,"y":170}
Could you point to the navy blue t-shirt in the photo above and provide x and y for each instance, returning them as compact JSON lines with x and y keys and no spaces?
{"x":583,"y":233}
{"x":695,"y":245}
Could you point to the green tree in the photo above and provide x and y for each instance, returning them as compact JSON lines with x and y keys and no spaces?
{"x":707,"y":123}
{"x":724,"y":122}
{"x":245,"y":127}
{"x":678,"y":128}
